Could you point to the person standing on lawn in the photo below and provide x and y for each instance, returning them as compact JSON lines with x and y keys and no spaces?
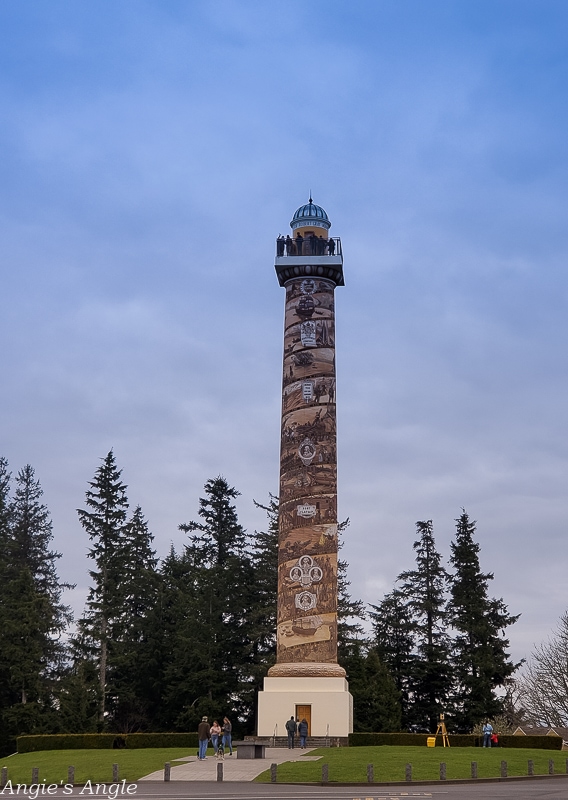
{"x":215,"y":733}
{"x":203,"y":734}
{"x":487,"y":731}
{"x":303,"y":732}
{"x":291,"y":729}
{"x":227,"y":735}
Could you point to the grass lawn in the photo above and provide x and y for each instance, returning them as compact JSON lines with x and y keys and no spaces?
{"x":349,"y":764}
{"x":94,"y":765}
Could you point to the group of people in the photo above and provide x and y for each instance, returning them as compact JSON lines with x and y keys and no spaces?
{"x":489,"y":736}
{"x":294,"y":727}
{"x":220,"y":737}
{"x":310,"y":245}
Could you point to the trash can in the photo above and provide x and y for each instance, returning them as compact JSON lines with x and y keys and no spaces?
{"x":431,"y":741}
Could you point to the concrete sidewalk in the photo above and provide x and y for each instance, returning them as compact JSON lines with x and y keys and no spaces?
{"x":242,"y":769}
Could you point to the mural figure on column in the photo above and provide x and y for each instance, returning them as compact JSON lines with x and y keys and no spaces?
{"x":307,"y":549}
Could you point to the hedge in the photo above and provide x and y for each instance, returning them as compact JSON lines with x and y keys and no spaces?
{"x":104,"y":741}
{"x":456,"y":740}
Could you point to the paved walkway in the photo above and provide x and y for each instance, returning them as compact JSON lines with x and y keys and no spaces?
{"x":235,"y":769}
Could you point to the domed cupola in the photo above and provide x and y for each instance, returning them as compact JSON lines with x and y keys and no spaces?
{"x":310,"y":216}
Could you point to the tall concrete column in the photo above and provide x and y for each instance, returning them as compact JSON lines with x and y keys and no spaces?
{"x":309,"y":264}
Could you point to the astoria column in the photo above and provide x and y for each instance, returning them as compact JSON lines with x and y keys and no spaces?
{"x":309,"y":265}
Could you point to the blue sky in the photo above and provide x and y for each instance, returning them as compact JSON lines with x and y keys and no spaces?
{"x":152,"y":152}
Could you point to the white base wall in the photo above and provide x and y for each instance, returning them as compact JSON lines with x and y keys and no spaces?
{"x":331,"y":702}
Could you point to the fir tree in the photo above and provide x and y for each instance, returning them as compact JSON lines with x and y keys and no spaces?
{"x":5,"y":697}
{"x":262,"y":613}
{"x":424,"y":590}
{"x":350,"y":613}
{"x":105,"y":522}
{"x":393,"y":640}
{"x":131,"y":653}
{"x":376,"y":700}
{"x":212,"y":649}
{"x":79,"y":699}
{"x":32,"y":616}
{"x":480,"y":648}
{"x":4,"y":508}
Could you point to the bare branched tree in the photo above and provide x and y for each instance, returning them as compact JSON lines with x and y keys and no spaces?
{"x":543,"y":689}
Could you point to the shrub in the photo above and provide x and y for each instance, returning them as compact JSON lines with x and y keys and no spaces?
{"x":104,"y":741}
{"x":537,"y":742}
{"x":456,"y":740}
{"x":407,"y":739}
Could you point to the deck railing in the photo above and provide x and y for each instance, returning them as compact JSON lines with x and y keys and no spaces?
{"x":308,"y":246}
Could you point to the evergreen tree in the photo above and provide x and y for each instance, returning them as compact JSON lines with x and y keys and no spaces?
{"x":79,"y":699}
{"x":105,"y":522}
{"x":376,"y":700}
{"x":5,"y":477}
{"x":263,"y":609}
{"x":424,"y":590}
{"x":393,"y":640}
{"x":350,"y":614}
{"x":210,"y":671}
{"x":32,"y":616}
{"x":174,"y":632}
{"x":480,"y":648}
{"x":132,"y":646}
{"x":117,"y":633}
{"x":5,"y":694}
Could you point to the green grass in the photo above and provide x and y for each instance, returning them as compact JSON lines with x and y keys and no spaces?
{"x":349,"y":764}
{"x":93,"y":765}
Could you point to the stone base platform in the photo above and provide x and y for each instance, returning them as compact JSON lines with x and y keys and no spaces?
{"x":329,"y":701}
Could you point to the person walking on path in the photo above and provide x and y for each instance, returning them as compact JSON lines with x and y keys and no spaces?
{"x":487,"y":731}
{"x":303,"y":732}
{"x":291,"y":729}
{"x":203,"y":734}
{"x":227,"y":735}
{"x":215,"y":733}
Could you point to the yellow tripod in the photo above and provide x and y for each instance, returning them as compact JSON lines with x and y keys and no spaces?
{"x":441,"y":729}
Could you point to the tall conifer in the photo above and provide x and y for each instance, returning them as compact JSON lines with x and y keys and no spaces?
{"x":104,"y":519}
{"x":32,"y":615}
{"x":483,"y":664}
{"x":424,"y":589}
{"x":212,"y":648}
{"x":262,"y":612}
{"x":131,"y":654}
{"x":393,"y":640}
{"x":376,"y":700}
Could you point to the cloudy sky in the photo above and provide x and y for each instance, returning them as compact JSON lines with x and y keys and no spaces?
{"x":151,"y":153}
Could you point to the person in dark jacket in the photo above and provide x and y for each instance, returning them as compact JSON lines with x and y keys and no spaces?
{"x":303,"y":733}
{"x":291,"y":729}
{"x":203,"y":733}
{"x":227,"y":735}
